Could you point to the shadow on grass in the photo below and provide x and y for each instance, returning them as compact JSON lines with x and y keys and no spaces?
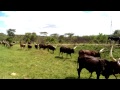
{"x":19,"y":49}
{"x":62,"y":57}
{"x":77,"y":78}
{"x":59,"y":57}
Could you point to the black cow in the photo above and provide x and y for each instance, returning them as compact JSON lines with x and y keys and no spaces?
{"x":114,"y":38}
{"x":36,"y":46}
{"x":29,"y":46}
{"x":50,"y":47}
{"x":42,"y":46}
{"x":66,"y":50}
{"x":112,"y":67}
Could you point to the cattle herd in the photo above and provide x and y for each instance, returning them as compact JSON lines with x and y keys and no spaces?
{"x":92,"y":62}
{"x":89,"y":59}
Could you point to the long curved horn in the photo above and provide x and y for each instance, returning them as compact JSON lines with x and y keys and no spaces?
{"x":111,"y":56}
{"x":101,"y":50}
{"x":74,"y":47}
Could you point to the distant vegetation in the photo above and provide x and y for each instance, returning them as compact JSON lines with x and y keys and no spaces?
{"x":55,"y":37}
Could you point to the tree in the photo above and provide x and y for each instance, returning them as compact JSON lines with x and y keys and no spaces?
{"x":50,"y":40}
{"x":69,"y":34}
{"x":55,"y":35}
{"x":61,"y":39}
{"x":11,"y":32}
{"x":44,"y":33}
{"x":33,"y":37}
{"x":116,"y":33}
{"x":44,"y":37}
{"x":11,"y":35}
{"x":27,"y":37}
{"x":2,"y":36}
{"x":101,"y":38}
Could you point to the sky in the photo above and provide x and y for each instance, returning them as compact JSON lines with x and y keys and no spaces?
{"x":81,"y":23}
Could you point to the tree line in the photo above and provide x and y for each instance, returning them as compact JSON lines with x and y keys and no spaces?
{"x":55,"y":37}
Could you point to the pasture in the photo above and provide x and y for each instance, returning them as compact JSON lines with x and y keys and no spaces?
{"x":41,"y":64}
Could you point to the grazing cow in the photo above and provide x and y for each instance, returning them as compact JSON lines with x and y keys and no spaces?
{"x":50,"y":47}
{"x":11,"y":44}
{"x":113,"y":38}
{"x":29,"y":45}
{"x":90,"y":52}
{"x":22,"y":45}
{"x":4,"y":42}
{"x":36,"y":46}
{"x":66,"y":50}
{"x":42,"y":46}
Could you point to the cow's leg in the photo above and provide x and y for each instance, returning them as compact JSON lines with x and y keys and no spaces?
{"x":98,"y":75}
{"x":79,"y":70}
{"x":70,"y":56}
{"x":106,"y":76}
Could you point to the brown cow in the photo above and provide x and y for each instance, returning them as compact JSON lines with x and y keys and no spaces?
{"x":90,"y":53}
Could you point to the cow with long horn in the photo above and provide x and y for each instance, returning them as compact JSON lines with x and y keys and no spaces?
{"x":67,"y":50}
{"x":111,"y":67}
{"x":91,"y":53}
{"x":100,"y":66}
{"x":117,"y":61}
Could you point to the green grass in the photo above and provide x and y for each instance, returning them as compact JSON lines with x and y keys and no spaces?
{"x":41,"y":64}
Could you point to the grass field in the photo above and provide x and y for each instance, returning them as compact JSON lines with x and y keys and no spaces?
{"x":41,"y":64}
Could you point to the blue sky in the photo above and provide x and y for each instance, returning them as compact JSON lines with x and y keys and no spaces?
{"x":78,"y":22}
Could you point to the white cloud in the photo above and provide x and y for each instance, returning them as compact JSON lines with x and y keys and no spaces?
{"x":77,"y":22}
